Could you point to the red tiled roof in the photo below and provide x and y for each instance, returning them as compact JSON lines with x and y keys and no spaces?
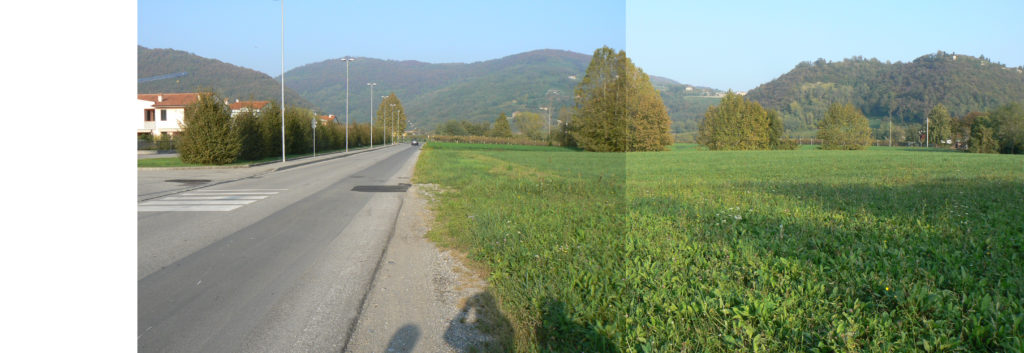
{"x":327,"y":118}
{"x":249,"y":104}
{"x":170,"y":99}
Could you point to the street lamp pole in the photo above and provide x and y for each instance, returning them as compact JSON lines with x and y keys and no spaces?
{"x":282,"y":82}
{"x":347,"y":60}
{"x":371,"y":84}
{"x":393,"y":127}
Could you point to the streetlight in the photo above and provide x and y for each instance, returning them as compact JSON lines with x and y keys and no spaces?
{"x":282,"y":82}
{"x":347,"y":60}
{"x":392,"y":123}
{"x":371,"y":84}
{"x":550,"y":108}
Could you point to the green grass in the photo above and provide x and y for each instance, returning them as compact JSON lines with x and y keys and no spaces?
{"x":879,"y":250}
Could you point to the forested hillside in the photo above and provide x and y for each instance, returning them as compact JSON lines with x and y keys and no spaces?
{"x":227,"y":80}
{"x":907,"y":91}
{"x":477,"y":92}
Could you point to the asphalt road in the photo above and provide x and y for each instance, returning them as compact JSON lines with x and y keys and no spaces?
{"x":278,"y":261}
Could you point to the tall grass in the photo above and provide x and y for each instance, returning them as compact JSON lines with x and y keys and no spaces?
{"x":689,"y":250}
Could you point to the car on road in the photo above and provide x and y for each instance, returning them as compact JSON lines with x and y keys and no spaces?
{"x":415,"y":143}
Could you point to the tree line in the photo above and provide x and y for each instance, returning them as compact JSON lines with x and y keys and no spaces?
{"x":210,"y":135}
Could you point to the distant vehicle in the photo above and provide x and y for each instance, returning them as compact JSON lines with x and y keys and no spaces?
{"x":415,"y":143}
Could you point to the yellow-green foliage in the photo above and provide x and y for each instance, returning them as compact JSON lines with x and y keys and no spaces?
{"x":738,"y":124}
{"x":888,"y":250}
{"x":617,"y":108}
{"x":844,"y":128}
{"x":208,"y":136}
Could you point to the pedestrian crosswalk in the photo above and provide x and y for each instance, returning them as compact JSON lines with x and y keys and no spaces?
{"x":207,"y":200}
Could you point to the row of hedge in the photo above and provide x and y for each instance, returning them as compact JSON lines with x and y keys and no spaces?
{"x":211,"y":136}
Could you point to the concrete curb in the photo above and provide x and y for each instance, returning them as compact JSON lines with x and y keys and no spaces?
{"x":319,"y":158}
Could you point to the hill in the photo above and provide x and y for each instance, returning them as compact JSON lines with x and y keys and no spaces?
{"x":228,"y":80}
{"x":907,"y":91}
{"x":479,"y":92}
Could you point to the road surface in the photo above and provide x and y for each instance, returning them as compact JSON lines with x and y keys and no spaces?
{"x":278,"y":261}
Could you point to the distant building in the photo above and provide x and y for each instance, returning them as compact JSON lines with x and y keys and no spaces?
{"x":689,"y":88}
{"x":163,"y":113}
{"x":246,"y":106}
{"x":325,"y":119}
{"x":572,"y":77}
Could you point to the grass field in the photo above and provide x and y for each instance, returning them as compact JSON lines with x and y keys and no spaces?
{"x":879,"y":250}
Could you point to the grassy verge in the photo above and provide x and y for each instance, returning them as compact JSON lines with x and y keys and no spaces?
{"x":687,"y":250}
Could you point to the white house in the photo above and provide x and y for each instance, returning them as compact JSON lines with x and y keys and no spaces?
{"x":162,"y":112}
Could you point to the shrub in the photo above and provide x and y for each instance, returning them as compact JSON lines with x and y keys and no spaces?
{"x":844,"y":128}
{"x":208,"y":135}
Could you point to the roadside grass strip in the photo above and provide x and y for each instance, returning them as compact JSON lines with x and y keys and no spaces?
{"x":207,"y":200}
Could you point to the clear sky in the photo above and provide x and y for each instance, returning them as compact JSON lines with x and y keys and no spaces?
{"x":741,"y":44}
{"x":727,"y":45}
{"x":248,"y":33}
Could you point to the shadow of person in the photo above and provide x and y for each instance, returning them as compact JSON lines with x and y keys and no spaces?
{"x":558,"y":332}
{"x":480,"y":327}
{"x":404,"y":339}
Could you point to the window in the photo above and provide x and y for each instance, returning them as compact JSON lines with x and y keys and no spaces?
{"x":149,"y":114}
{"x":163,"y":114}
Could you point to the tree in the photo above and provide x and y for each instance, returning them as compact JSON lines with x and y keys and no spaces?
{"x":738,"y":124}
{"x":940,"y":125}
{"x":845,"y":128}
{"x":530,"y":124}
{"x":452,"y":128}
{"x":617,"y":108}
{"x":501,"y":127}
{"x":392,"y":118}
{"x":983,"y":139}
{"x":208,"y":135}
{"x":1008,"y":127}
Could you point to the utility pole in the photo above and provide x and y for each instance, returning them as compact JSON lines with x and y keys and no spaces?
{"x":347,"y":60}
{"x":890,"y":131}
{"x":371,"y":84}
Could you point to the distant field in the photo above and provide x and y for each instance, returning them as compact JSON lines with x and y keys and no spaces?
{"x":879,"y":250}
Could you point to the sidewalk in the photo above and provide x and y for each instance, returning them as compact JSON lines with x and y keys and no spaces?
{"x":158,"y":182}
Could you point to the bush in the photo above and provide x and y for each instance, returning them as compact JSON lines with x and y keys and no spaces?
{"x":208,"y":135}
{"x":738,"y":124}
{"x":844,"y":128}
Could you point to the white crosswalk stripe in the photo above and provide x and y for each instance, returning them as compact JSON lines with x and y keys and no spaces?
{"x":207,"y":200}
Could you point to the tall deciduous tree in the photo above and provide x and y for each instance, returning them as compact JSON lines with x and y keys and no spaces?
{"x":1008,"y":127}
{"x":530,"y":124}
{"x":393,"y":118}
{"x":208,"y":135}
{"x":501,"y":127}
{"x":617,"y":108}
{"x":844,"y":128}
{"x":940,"y":125}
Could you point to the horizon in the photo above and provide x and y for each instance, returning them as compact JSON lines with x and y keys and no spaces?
{"x":884,"y":60}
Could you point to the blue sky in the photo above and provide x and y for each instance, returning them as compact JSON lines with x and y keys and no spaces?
{"x":727,"y":45}
{"x":248,"y":33}
{"x":741,"y":44}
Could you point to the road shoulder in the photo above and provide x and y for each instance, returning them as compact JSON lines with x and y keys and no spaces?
{"x":423,"y":298}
